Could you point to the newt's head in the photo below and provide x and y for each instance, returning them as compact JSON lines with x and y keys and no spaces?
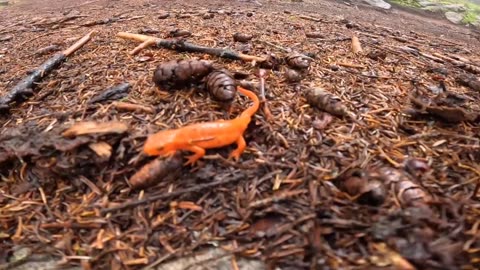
{"x":160,"y":144}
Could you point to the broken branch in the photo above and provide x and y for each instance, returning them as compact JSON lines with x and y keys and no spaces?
{"x":25,"y":86}
{"x":263,"y":100}
{"x":183,"y":46}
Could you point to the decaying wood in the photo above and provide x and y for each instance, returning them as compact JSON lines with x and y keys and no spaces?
{"x":112,"y":93}
{"x":25,"y":86}
{"x":469,"y":80}
{"x":445,"y":113}
{"x":350,"y":65}
{"x":90,"y":127}
{"x":125,"y":106}
{"x":184,"y":46}
{"x":314,"y":35}
{"x":46,"y":50}
{"x":313,"y":191}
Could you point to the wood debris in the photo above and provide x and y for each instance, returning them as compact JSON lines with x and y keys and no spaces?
{"x":112,"y":93}
{"x":86,"y":128}
{"x":396,"y":189}
{"x":25,"y":86}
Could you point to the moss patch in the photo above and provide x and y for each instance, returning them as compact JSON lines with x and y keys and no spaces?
{"x":469,"y":17}
{"x":407,"y":3}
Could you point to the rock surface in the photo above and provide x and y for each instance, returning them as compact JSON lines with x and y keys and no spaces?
{"x":454,"y":17}
{"x":378,"y":3}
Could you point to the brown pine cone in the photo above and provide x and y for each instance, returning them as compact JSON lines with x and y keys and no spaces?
{"x":176,"y":74}
{"x":221,"y":85}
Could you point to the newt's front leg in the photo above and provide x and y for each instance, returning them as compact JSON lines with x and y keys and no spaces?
{"x":199,"y":152}
{"x":241,"y":145}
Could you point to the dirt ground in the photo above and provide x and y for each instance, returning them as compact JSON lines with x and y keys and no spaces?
{"x":382,"y":176}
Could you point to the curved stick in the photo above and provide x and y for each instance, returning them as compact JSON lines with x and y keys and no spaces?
{"x":183,"y":46}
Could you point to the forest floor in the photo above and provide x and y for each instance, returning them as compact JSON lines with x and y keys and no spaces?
{"x":379,"y":170}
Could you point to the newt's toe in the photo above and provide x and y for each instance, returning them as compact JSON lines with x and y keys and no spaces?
{"x":191,"y":160}
{"x":234,"y":155}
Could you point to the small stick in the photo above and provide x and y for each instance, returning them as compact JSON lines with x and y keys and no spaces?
{"x":25,"y":86}
{"x":183,"y":46}
{"x":147,"y":43}
{"x":77,"y":45}
{"x":263,"y":99}
{"x":164,"y":196}
{"x":287,"y":50}
{"x":131,"y":107}
{"x":277,"y":197}
{"x":350,"y":65}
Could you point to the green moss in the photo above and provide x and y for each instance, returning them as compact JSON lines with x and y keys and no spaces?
{"x":470,"y":17}
{"x":407,"y":3}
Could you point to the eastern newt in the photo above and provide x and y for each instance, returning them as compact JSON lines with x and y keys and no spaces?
{"x":200,"y":136}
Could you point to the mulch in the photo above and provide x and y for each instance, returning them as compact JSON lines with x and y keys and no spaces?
{"x":392,"y":182}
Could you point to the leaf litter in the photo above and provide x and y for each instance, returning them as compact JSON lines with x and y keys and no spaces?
{"x":377,"y":188}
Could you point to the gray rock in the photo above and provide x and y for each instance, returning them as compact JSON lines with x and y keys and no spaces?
{"x":426,"y":3}
{"x":476,"y":23}
{"x":439,"y":7}
{"x":378,"y":3}
{"x":455,"y":7}
{"x":434,"y":8}
{"x":454,"y":17}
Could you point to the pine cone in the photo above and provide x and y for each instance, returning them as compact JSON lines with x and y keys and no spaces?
{"x":297,"y":61}
{"x":221,"y":85}
{"x":176,"y":74}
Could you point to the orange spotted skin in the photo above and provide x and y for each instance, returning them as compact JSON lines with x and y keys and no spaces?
{"x":198,"y":137}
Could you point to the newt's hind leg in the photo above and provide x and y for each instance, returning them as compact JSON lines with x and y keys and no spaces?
{"x":199,"y":152}
{"x":241,"y":145}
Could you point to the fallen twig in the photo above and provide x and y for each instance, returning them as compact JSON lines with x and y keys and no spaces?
{"x":25,"y":86}
{"x":110,"y":20}
{"x":288,"y":50}
{"x":350,"y":65}
{"x":183,"y":46}
{"x":172,"y":194}
{"x":131,"y":107}
{"x":115,"y":92}
{"x":263,"y":100}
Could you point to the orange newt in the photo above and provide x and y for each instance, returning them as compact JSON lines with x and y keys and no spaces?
{"x":198,"y":137}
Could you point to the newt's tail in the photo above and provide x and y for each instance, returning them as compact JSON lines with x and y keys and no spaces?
{"x":250,"y":111}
